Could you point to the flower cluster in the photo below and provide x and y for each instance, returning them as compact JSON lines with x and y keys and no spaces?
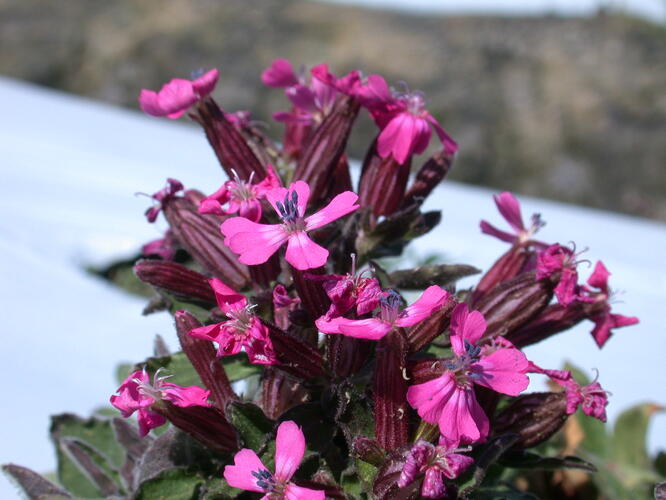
{"x":277,"y":278}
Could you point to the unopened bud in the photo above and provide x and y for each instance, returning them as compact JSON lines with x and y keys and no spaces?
{"x":534,"y":417}
{"x":383,"y":182}
{"x":428,"y":177}
{"x":295,"y":355}
{"x":280,"y":392}
{"x":176,"y":279}
{"x":327,"y":144}
{"x":369,"y":450}
{"x":229,"y":145}
{"x":513,"y":303}
{"x":552,"y":320}
{"x":511,"y":264}
{"x":200,"y":235}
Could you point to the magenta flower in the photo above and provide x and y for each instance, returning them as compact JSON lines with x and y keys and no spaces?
{"x":169,"y":191}
{"x":436,"y":463}
{"x":508,"y":206}
{"x":605,"y":320}
{"x":592,"y":398}
{"x":164,"y":248}
{"x":403,"y":120}
{"x":250,"y":474}
{"x":175,"y":97}
{"x":239,"y":196}
{"x":390,"y":315}
{"x":559,"y":259}
{"x":137,"y":394}
{"x":349,"y":290}
{"x":255,"y":243}
{"x":449,"y":400}
{"x":311,"y":101}
{"x":242,"y":330}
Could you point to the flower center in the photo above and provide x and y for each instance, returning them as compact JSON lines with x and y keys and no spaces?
{"x":264,"y":480}
{"x":288,"y":211}
{"x":242,"y":320}
{"x":242,"y":190}
{"x":389,"y":305}
{"x":460,"y":366}
{"x":415,"y":103}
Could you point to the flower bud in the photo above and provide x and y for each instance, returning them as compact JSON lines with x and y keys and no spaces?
{"x":512,"y":263}
{"x":383,"y":182}
{"x":421,"y":334}
{"x":200,"y":236}
{"x":534,"y":417}
{"x":513,"y":303}
{"x":201,"y":354}
{"x":389,"y":387}
{"x":295,"y":356}
{"x":325,"y":148}
{"x":176,"y":279}
{"x":369,"y":450}
{"x":280,"y":392}
{"x":552,"y":320}
{"x":428,"y":177}
{"x":206,"y":424}
{"x":229,"y":145}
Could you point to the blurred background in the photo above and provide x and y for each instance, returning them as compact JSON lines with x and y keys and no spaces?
{"x":561,"y":99}
{"x":558,"y":99}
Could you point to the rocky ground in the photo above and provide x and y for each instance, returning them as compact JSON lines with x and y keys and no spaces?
{"x":567,"y":108}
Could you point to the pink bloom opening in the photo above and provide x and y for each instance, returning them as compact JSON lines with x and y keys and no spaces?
{"x":403,"y":120}
{"x":176,"y":96}
{"x":136,"y":393}
{"x":436,"y":463}
{"x":605,"y":320}
{"x":240,"y":196}
{"x":509,"y":208}
{"x":256,"y":243}
{"x":560,"y":259}
{"x":166,"y":193}
{"x":449,"y":400}
{"x":250,"y":474}
{"x":242,"y":331}
{"x":390,"y":315}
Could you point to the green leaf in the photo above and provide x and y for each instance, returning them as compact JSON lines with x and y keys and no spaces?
{"x":173,"y":484}
{"x":238,"y":367}
{"x":630,"y":436}
{"x":488,"y":455}
{"x":425,"y":276}
{"x":529,"y":460}
{"x":501,"y":493}
{"x":218,"y":489}
{"x":33,"y":485}
{"x":251,"y":423}
{"x":92,"y":465}
{"x":98,"y":435}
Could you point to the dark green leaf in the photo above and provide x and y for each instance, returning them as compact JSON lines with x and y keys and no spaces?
{"x":630,"y":436}
{"x":92,"y":465}
{"x":250,"y":422}
{"x":174,"y":484}
{"x":528,"y":460}
{"x":238,"y":367}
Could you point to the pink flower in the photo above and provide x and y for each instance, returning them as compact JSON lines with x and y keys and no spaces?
{"x":311,"y":101}
{"x":242,"y":330}
{"x":137,"y":394}
{"x":250,"y":474}
{"x":559,"y":259}
{"x":508,"y":206}
{"x":169,"y":191}
{"x":591,"y":398}
{"x":436,"y":463}
{"x":239,"y":196}
{"x":175,"y":97}
{"x":449,"y":400}
{"x":605,"y":320}
{"x":403,"y":120}
{"x":349,"y":290}
{"x":255,"y":243}
{"x":390,"y":316}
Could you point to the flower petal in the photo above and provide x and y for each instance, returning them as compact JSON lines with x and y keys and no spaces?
{"x":279,"y":74}
{"x":599,"y":277}
{"x":255,"y":243}
{"x":432,"y":299}
{"x":176,"y":96}
{"x":508,"y":206}
{"x":303,"y":253}
{"x":149,"y":420}
{"x":240,"y":475}
{"x":278,"y":195}
{"x":370,"y":329}
{"x":289,"y":450}
{"x":205,"y":84}
{"x":502,"y":371}
{"x":488,"y":228}
{"x":149,"y":103}
{"x":227,"y":298}
{"x":397,"y":138}
{"x":465,"y":326}
{"x":462,"y":418}
{"x":430,"y":397}
{"x":339,"y":206}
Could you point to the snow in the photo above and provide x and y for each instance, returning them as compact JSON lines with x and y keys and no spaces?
{"x":68,"y":177}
